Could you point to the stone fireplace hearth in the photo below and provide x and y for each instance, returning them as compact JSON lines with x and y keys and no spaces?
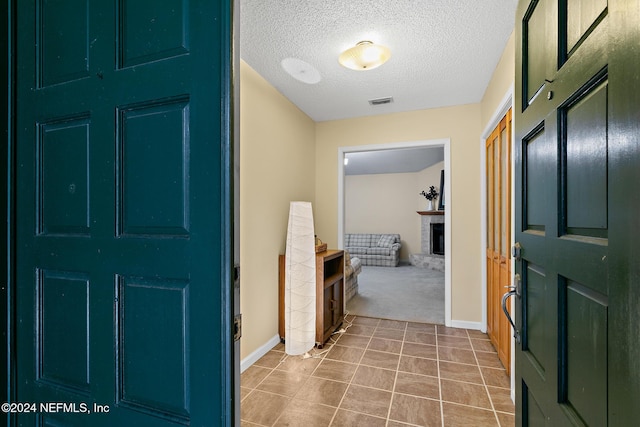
{"x":432,"y":255}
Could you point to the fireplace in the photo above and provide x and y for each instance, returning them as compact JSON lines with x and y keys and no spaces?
{"x":432,"y":241}
{"x":437,"y":239}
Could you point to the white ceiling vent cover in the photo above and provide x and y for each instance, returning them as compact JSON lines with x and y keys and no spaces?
{"x":381,"y":101}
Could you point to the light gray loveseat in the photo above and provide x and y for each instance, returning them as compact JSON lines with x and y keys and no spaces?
{"x":381,"y":250}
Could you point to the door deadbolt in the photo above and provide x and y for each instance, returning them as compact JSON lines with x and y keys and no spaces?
{"x":516,"y":251}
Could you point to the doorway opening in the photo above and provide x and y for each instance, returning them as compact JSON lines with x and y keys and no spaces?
{"x":445,"y":144}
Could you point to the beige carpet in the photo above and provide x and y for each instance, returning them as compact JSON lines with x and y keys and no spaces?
{"x":405,"y":293}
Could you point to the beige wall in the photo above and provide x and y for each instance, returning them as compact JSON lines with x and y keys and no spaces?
{"x":383,"y":203}
{"x":501,"y":82}
{"x":387,"y":203}
{"x":277,"y":166}
{"x":462,"y":125}
{"x":426,"y":178}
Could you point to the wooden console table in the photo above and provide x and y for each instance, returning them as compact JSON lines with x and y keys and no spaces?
{"x":329,"y":294}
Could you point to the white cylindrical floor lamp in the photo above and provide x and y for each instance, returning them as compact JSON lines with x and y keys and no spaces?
{"x":300,"y":280}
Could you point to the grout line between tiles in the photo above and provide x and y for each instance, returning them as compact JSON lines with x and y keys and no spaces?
{"x":486,"y":389}
{"x":354,"y":374}
{"x":291,"y":398}
{"x":395,"y":378}
{"x":322,"y":356}
{"x":439,"y":379}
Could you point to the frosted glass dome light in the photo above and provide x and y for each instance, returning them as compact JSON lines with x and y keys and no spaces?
{"x":364,"y":56}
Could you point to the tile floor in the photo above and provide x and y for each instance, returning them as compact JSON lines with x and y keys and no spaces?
{"x":382,"y":373}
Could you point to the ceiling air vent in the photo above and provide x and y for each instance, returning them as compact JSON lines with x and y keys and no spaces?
{"x":381,"y":101}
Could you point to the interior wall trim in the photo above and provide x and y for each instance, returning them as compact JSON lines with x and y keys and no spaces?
{"x":476,"y":326}
{"x":259,"y":352}
{"x":8,"y":362}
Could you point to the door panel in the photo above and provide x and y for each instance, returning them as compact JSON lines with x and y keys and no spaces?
{"x":583,"y":381}
{"x":63,"y":329}
{"x":64,"y":44}
{"x":138,"y":22}
{"x":535,"y":319}
{"x":532,"y":414}
{"x":506,"y":335}
{"x":538,"y":30}
{"x":492,"y":328}
{"x":490,"y":193}
{"x":497,"y":197}
{"x":504,"y":348}
{"x":147,"y":188}
{"x":571,"y":265}
{"x":123,"y":202}
{"x":63,"y":193}
{"x":584,"y":151}
{"x":155,"y":385}
{"x":536,"y":170}
{"x":498,"y":150}
{"x":581,"y":17}
{"x":505,"y":187}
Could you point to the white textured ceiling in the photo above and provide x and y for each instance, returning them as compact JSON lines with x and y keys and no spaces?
{"x":443,"y":52}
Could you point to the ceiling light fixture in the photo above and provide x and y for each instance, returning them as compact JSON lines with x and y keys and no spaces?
{"x":364,"y":56}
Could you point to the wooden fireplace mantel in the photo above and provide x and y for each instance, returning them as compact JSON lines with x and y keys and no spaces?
{"x":430,"y":212}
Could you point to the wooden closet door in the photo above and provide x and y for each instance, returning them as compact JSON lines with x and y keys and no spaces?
{"x":498,"y":157}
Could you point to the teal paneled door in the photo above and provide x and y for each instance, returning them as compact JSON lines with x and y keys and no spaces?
{"x":576,"y":361}
{"x":123,"y":183}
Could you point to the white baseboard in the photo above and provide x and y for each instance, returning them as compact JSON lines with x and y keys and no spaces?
{"x":466,"y":325}
{"x":258,"y":353}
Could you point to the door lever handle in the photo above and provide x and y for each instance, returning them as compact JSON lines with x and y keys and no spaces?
{"x":505,"y":297}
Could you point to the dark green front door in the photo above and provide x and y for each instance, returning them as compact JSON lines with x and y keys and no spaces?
{"x":123,"y":212}
{"x":577,"y":161}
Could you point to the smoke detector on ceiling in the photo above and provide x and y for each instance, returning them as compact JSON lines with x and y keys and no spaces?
{"x":301,"y":70}
{"x":381,"y":101}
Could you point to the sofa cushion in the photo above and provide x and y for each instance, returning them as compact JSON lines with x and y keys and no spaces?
{"x":360,"y":240}
{"x":378,"y":251}
{"x":386,"y":240}
{"x":356,"y":250}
